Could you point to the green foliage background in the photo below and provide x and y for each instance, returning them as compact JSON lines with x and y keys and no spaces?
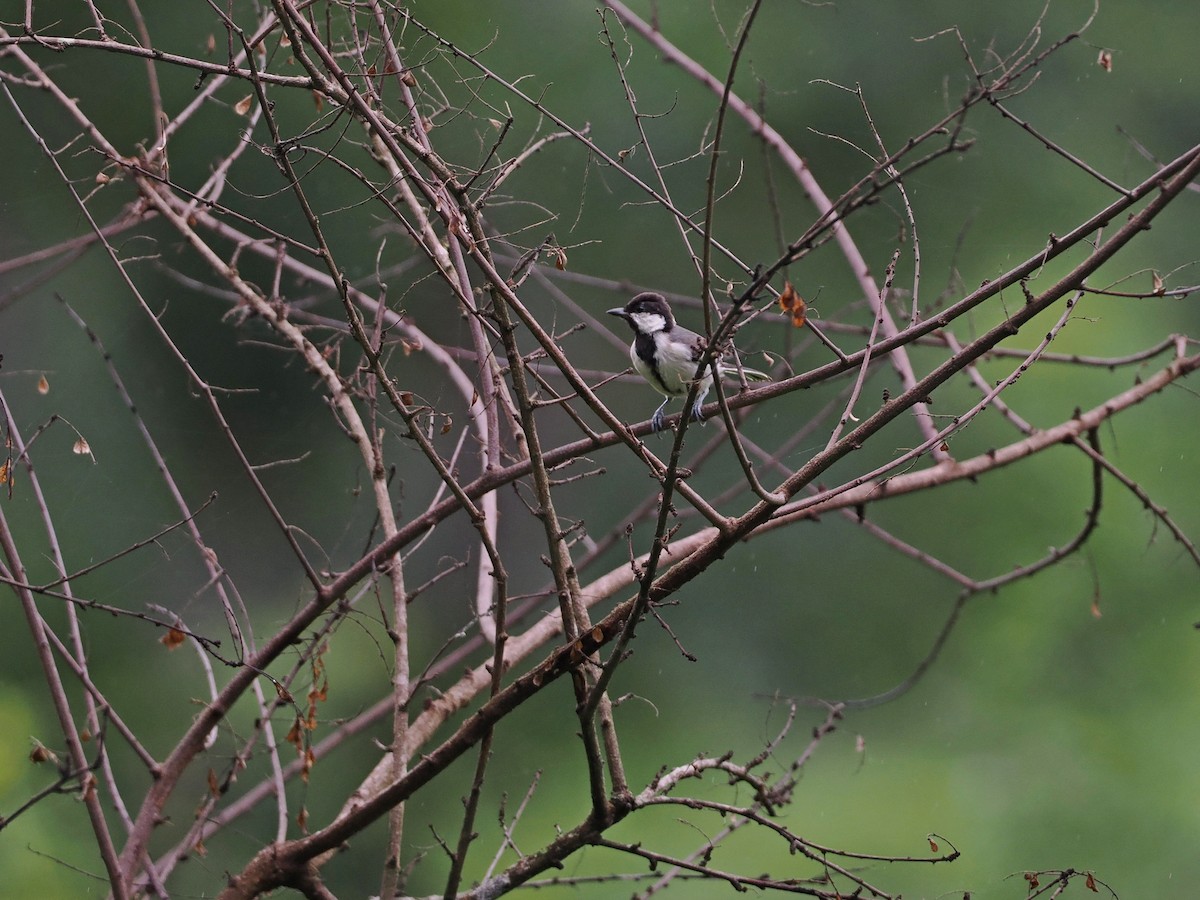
{"x":1045,"y":737}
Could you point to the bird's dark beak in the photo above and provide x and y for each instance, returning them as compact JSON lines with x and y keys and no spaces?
{"x":619,"y":311}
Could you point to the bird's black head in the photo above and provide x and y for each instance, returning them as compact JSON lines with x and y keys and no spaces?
{"x":647,"y":313}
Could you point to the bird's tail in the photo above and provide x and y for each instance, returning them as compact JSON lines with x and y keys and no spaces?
{"x":749,"y":373}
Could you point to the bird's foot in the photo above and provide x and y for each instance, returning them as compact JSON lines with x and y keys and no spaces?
{"x":658,"y":420}
{"x":697,"y":416}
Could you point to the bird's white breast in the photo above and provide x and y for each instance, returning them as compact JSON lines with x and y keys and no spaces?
{"x":676,"y":366}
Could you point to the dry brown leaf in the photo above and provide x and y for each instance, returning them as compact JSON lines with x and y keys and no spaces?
{"x":319,"y":694}
{"x":793,"y":304}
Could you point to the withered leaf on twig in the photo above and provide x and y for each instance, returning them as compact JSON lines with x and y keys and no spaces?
{"x":793,"y":304}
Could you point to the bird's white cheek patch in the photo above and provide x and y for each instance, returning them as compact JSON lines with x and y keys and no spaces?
{"x":648,"y":323}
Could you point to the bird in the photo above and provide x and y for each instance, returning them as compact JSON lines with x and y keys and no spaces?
{"x":666,"y":354}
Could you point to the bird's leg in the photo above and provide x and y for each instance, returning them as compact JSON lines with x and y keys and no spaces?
{"x":696,"y":414}
{"x":656,"y":420}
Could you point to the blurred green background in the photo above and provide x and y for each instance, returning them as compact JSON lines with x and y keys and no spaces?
{"x":1045,"y":737}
